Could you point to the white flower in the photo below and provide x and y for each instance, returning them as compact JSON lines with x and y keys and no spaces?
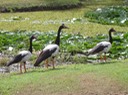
{"x":10,"y":48}
{"x":123,"y":21}
{"x":74,"y":19}
{"x":112,"y":21}
{"x":99,"y":9}
{"x":36,"y":22}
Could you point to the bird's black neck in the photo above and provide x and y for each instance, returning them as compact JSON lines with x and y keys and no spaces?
{"x":110,"y":37}
{"x":57,"y":41}
{"x":30,"y":47}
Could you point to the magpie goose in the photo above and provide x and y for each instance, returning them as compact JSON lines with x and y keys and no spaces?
{"x":23,"y":56}
{"x":102,"y":47}
{"x":51,"y":50}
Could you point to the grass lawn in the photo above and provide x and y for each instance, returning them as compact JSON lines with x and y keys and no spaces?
{"x":50,"y":20}
{"x":36,"y":5}
{"x":75,"y":79}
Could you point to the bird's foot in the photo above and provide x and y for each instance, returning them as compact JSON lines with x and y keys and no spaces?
{"x":21,"y":72}
{"x":53,"y":68}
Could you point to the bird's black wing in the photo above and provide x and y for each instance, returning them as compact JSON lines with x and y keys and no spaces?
{"x":44,"y":55}
{"x":16,"y":59}
{"x":98,"y":48}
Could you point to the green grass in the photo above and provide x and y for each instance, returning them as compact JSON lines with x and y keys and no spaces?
{"x":50,"y":20}
{"x":64,"y":79}
{"x":32,"y":5}
{"x":36,"y":2}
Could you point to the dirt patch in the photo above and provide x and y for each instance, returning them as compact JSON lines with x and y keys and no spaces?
{"x":89,"y":84}
{"x":100,"y":85}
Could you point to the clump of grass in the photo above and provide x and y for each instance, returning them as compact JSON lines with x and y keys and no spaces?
{"x":117,"y":15}
{"x":3,"y":61}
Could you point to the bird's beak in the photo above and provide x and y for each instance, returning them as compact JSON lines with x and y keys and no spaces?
{"x":35,"y":38}
{"x":66,"y":27}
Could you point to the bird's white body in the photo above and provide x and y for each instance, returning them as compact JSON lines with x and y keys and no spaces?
{"x":107,"y":46}
{"x":52,"y":47}
{"x":27,"y":54}
{"x":102,"y":47}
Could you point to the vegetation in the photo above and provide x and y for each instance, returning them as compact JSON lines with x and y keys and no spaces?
{"x":36,"y":5}
{"x":109,"y":15}
{"x":69,"y":42}
{"x":50,"y":21}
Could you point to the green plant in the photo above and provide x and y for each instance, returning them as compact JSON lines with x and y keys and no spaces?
{"x":117,"y":15}
{"x":69,"y":42}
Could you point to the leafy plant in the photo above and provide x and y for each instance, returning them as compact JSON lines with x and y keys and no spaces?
{"x":19,"y":40}
{"x":117,"y":15}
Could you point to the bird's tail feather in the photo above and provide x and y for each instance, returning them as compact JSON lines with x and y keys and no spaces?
{"x":40,"y":59}
{"x":79,"y":52}
{"x":84,"y":53}
{"x":9,"y":63}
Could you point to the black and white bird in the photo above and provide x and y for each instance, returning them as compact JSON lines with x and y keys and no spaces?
{"x":102,"y":47}
{"x":51,"y":50}
{"x":23,"y":56}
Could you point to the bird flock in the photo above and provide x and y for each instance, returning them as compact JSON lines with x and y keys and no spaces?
{"x":50,"y":51}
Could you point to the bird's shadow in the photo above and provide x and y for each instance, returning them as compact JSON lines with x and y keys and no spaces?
{"x":41,"y":69}
{"x":104,"y":63}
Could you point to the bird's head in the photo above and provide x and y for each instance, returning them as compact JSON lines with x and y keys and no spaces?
{"x":63,"y":26}
{"x":33,"y":37}
{"x":112,"y":30}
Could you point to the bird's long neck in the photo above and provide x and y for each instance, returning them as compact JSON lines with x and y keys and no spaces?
{"x":30,"y":47}
{"x":110,"y":37}
{"x":57,"y":41}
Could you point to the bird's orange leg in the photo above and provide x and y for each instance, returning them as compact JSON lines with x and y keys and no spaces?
{"x":20,"y":68}
{"x":46,"y":63}
{"x":105,"y":58}
{"x":101,"y":58}
{"x":53,"y":63}
{"x":24,"y":67}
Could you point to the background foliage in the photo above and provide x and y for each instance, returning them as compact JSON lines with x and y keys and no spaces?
{"x":117,"y":15}
{"x":19,"y":40}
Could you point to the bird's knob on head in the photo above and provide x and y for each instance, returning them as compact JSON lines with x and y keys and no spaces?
{"x":33,"y":37}
{"x":112,"y":30}
{"x":64,"y":27}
